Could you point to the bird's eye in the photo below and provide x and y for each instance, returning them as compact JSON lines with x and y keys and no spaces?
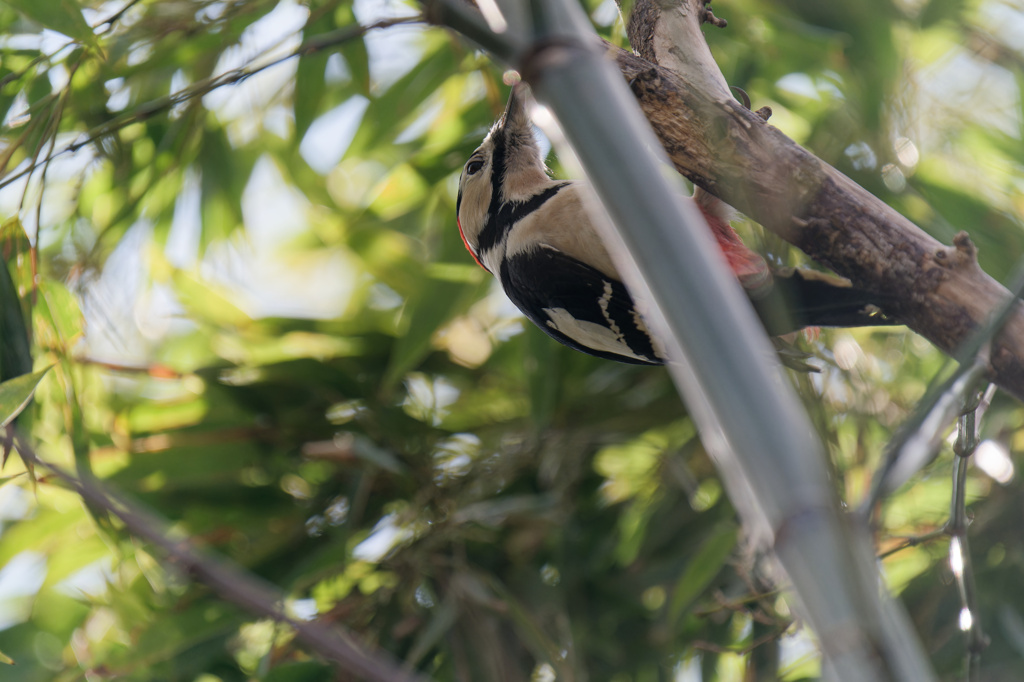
{"x":473,"y":167}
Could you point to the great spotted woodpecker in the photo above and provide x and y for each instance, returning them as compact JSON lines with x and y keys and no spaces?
{"x":534,"y":235}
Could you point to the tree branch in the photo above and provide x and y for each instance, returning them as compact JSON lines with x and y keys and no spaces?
{"x":943,"y":294}
{"x":726,"y":149}
{"x":231,"y":583}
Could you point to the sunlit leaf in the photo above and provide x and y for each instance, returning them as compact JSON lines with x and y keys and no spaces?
{"x":62,"y":16}
{"x":703,"y":568}
{"x":436,"y":303}
{"x":206,"y":303}
{"x":59,"y":322}
{"x":387,"y":112}
{"x":16,"y":393}
{"x":15,"y":355}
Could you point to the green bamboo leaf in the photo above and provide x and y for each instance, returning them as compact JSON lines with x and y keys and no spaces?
{"x":543,"y":362}
{"x":309,"y":90}
{"x":15,"y":355}
{"x":354,"y":52}
{"x":358,"y":62}
{"x":310,"y":86}
{"x":437,"y":302}
{"x":208,"y":303}
{"x":62,"y":16}
{"x":445,"y":616}
{"x":303,"y":671}
{"x":389,"y":113}
{"x":702,"y":569}
{"x":16,"y":393}
{"x":59,"y":323}
{"x":225,"y":173}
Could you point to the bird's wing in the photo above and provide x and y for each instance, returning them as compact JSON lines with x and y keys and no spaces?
{"x":578,"y":305}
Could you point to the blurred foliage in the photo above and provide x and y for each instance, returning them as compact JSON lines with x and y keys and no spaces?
{"x":262,"y":324}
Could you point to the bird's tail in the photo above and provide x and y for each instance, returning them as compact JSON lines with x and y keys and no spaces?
{"x":805,"y":298}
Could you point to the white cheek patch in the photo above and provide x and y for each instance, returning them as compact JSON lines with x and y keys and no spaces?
{"x":476,"y":198}
{"x":595,"y":336}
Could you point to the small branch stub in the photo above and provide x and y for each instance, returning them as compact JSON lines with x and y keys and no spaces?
{"x":709,"y":17}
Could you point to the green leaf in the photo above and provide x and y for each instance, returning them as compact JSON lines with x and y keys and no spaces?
{"x":388,"y":114}
{"x":309,"y":90}
{"x":703,"y":568}
{"x":440,"y":624}
{"x":354,"y":51}
{"x":224,"y":174}
{"x":60,"y":322}
{"x":310,"y":86}
{"x":15,"y":356}
{"x":438,"y":301}
{"x":16,"y":393}
{"x":4,"y":658}
{"x":305,"y":671}
{"x":62,"y":16}
{"x":542,"y":366}
{"x":205,"y":302}
{"x":358,"y":62}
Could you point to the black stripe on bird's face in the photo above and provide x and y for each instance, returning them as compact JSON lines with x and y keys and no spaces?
{"x":504,"y":216}
{"x":497,"y":169}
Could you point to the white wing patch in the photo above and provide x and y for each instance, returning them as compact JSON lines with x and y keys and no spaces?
{"x":603,"y":302}
{"x":595,"y":336}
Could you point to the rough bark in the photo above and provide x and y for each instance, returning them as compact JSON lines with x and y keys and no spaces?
{"x":938,"y":291}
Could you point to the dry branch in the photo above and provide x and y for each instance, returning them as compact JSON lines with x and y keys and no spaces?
{"x":941,"y":292}
{"x":352,"y":657}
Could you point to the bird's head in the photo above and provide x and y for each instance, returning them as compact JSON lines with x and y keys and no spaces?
{"x":506,"y":167}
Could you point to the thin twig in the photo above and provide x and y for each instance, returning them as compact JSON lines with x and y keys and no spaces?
{"x":919,"y":438}
{"x":466,"y":19}
{"x":15,"y":75}
{"x":915,"y":540}
{"x":719,"y":649}
{"x":915,"y":447}
{"x":115,"y":17}
{"x":228,"y":581}
{"x":959,"y":549}
{"x":148,"y":109}
{"x":955,"y":528}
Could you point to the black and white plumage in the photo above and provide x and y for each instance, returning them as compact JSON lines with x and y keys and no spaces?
{"x":534,"y":235}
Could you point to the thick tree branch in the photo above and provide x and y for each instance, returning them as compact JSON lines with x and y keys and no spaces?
{"x":940,"y":291}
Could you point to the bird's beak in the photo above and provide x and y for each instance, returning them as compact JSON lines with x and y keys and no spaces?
{"x":513,"y":101}
{"x":516,"y":106}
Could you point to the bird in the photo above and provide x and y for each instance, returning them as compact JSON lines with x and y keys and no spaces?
{"x":534,"y":234}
